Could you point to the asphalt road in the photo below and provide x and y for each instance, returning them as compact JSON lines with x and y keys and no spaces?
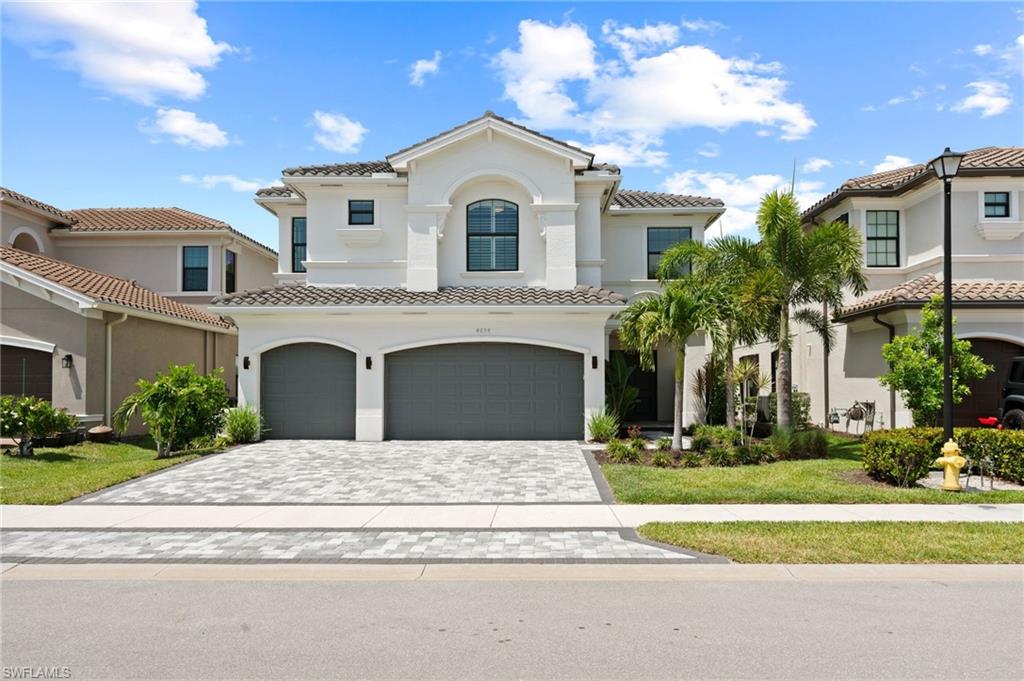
{"x":493,"y":629}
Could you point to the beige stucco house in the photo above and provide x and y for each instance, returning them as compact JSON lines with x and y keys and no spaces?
{"x":92,"y":300}
{"x":899,"y":213}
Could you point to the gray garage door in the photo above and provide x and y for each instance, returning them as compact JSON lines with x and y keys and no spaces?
{"x":308,"y":391}
{"x":478,"y":391}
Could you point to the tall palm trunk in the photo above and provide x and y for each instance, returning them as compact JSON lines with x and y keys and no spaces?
{"x":784,"y":374}
{"x":730,"y":385}
{"x":677,"y":416}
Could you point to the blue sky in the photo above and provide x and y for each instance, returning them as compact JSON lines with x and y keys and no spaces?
{"x":193,"y":106}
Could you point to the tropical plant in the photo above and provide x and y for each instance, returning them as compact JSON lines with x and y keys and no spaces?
{"x":603,"y":426}
{"x":916,"y":370}
{"x":620,"y":396}
{"x":747,"y":375}
{"x":243,"y":424}
{"x":178,"y":406}
{"x":708,"y":387}
{"x":620,"y":451}
{"x":663,"y":444}
{"x":793,"y":268}
{"x":685,"y":307}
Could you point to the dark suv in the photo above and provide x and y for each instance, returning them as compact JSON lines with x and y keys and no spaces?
{"x":1013,"y":396}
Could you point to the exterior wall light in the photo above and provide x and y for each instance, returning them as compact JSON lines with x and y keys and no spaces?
{"x":67,"y":361}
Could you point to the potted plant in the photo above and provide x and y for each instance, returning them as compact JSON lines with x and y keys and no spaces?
{"x":67,"y":427}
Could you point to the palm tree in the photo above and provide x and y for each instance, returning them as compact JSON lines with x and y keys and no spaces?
{"x":747,"y":373}
{"x":728,"y":263}
{"x":685,"y":307}
{"x":801,"y":267}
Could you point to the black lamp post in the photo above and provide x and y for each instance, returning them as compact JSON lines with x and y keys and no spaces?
{"x":946,"y":167}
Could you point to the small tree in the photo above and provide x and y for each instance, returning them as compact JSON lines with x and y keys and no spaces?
{"x":178,"y":407}
{"x":915,"y":362}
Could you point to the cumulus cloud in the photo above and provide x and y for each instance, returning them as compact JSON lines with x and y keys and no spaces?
{"x":702,"y":25}
{"x":740,"y":194}
{"x":422,"y":68}
{"x":139,"y":50}
{"x":232,"y":182}
{"x":816,"y":165}
{"x":337,"y":132}
{"x":186,"y":129}
{"x":982,"y":50}
{"x":558,"y":80}
{"x":892,"y":162}
{"x":990,"y":97}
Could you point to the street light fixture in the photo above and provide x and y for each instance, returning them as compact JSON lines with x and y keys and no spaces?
{"x":945,"y":168}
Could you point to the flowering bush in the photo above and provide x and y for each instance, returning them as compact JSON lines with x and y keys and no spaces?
{"x":23,"y":417}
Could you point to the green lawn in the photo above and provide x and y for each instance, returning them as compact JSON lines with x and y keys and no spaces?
{"x":859,"y":542}
{"x":822,"y":481}
{"x":53,"y":476}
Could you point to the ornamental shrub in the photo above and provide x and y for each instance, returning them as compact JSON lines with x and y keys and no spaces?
{"x":801,"y":408}
{"x":242,"y":424}
{"x":661,"y":459}
{"x":663,"y":444}
{"x":810,"y":444}
{"x":901,"y":457}
{"x":715,"y":437}
{"x":620,"y":451}
{"x":603,"y":426}
{"x":1004,"y":448}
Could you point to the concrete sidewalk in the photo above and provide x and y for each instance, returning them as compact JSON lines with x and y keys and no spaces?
{"x":475,"y":516}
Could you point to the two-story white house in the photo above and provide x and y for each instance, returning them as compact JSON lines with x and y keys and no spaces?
{"x":899,"y":214}
{"x":462,"y":288}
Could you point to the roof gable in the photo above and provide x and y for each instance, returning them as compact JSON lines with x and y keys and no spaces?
{"x":490,"y":122}
{"x":35,"y":205}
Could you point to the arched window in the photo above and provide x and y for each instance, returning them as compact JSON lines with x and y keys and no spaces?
{"x":492,"y":236}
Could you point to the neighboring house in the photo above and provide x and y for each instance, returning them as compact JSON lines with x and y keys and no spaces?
{"x":900,"y":215}
{"x":461,"y":288}
{"x":82,"y":338}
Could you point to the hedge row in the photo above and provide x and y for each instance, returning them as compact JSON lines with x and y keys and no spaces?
{"x":905,"y":455}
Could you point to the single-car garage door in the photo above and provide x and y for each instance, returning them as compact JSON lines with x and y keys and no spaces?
{"x":484,"y":391}
{"x":308,"y":391}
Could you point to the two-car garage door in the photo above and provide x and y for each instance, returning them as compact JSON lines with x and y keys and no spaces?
{"x":439,"y":392}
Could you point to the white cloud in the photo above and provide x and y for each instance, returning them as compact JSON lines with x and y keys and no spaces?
{"x":990,"y":97}
{"x":816,"y":165}
{"x":983,"y":49}
{"x":709,"y":150}
{"x":892,"y":162}
{"x":139,"y":50}
{"x":633,"y":40}
{"x":629,"y":153}
{"x":556,"y":71}
{"x":233,"y":182}
{"x":740,"y":194}
{"x":337,"y":132}
{"x":915,"y":94}
{"x":422,"y":68}
{"x":702,"y":25}
{"x":186,"y":129}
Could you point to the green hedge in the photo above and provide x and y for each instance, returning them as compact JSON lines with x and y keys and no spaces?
{"x":905,"y":455}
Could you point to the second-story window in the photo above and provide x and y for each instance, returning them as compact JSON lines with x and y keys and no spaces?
{"x":195,"y":268}
{"x":883,"y":238}
{"x":298,"y":244}
{"x":360,"y":212}
{"x":997,"y":204}
{"x":230,"y":270}
{"x":492,"y":236}
{"x":659,"y":240}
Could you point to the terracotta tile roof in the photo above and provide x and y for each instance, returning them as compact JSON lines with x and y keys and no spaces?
{"x":917,"y":292}
{"x":105,"y":287}
{"x":152,"y":220}
{"x":275,"y":192}
{"x":981,"y":161}
{"x":631,"y":198}
{"x":492,"y":115}
{"x":303,"y":295}
{"x":350,"y":169}
{"x":18,"y":197}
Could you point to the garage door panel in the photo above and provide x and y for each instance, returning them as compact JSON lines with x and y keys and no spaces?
{"x":484,"y":391}
{"x":308,"y":391}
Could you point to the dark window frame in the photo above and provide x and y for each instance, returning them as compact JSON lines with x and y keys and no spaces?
{"x":297,"y":265}
{"x":186,"y":269}
{"x":1003,"y":204}
{"x":361,"y":211}
{"x":654,"y":274}
{"x":869,"y":239}
{"x":230,"y":271}
{"x":493,"y":236}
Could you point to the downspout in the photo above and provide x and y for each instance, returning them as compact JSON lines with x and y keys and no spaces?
{"x":892,"y":391}
{"x":825,"y":353}
{"x":108,"y":414}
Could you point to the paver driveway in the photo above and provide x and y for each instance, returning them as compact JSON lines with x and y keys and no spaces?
{"x":342,"y":472}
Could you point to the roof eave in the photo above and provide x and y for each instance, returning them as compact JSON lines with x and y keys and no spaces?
{"x":918,"y":304}
{"x":419,"y":309}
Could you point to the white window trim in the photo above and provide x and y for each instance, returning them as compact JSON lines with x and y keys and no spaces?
{"x":27,"y":343}
{"x":1014,"y":215}
{"x":901,"y":238}
{"x":180,"y":276}
{"x":224,"y":269}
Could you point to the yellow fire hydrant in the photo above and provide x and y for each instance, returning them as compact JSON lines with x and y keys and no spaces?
{"x":951,"y":463}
